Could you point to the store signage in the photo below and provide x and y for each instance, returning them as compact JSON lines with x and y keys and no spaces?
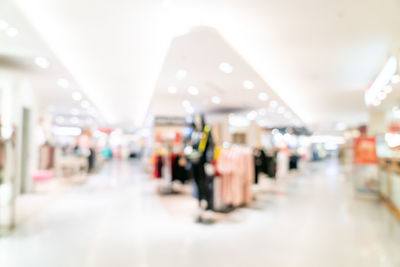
{"x":373,"y":95}
{"x":169,"y":121}
{"x":365,"y":150}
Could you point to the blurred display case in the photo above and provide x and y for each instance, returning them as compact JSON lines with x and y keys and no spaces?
{"x":389,"y":180}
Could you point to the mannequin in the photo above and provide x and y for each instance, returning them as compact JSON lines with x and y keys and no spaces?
{"x":200,"y":152}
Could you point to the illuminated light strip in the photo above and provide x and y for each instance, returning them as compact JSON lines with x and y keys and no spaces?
{"x":384,"y":77}
{"x":66,"y":131}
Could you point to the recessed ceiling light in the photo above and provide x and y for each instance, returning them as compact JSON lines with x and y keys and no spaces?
{"x":252,"y":115}
{"x":85,"y":104}
{"x":189,"y":110}
{"x":396,"y":78}
{"x":42,"y":62}
{"x":77,"y":96}
{"x":216,"y":100}
{"x":74,"y":120}
{"x":181,"y":74}
{"x":226,"y":67}
{"x":186,"y":103}
{"x":262,"y":112}
{"x":263,"y":96}
{"x":193,"y":90}
{"x":11,"y":32}
{"x":388,"y":89}
{"x":273,"y":104}
{"x":376,"y":102}
{"x":281,"y":110}
{"x":262,"y":123}
{"x":172,"y":89}
{"x":75,"y":111}
{"x":60,"y":119}
{"x":288,"y":115}
{"x":340,"y":126}
{"x":248,"y":84}
{"x":3,"y":25}
{"x":63,"y":83}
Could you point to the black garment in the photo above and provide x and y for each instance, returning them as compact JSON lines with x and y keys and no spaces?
{"x":264,"y":164}
{"x":178,"y":172}
{"x":271,"y":166}
{"x":293,"y":162}
{"x":260,"y":163}
{"x":91,"y":159}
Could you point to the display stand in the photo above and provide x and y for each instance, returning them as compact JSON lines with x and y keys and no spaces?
{"x":389,"y":186}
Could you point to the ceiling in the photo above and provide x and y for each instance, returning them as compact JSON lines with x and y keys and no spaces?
{"x":317,"y":56}
{"x":17,"y":63}
{"x":199,"y":55}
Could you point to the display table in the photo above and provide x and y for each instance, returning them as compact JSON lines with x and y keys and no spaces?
{"x":71,"y":166}
{"x":389,"y":177}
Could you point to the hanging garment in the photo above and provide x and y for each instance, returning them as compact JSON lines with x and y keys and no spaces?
{"x":260,"y":163}
{"x":158,"y":164}
{"x":236,"y":166}
{"x":179,"y":172}
{"x":293,"y":160}
{"x":271,"y":166}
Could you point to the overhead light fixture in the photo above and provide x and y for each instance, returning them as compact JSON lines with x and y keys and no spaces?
{"x":172,"y":89}
{"x":193,"y":90}
{"x":63,"y":83}
{"x":248,"y":84}
{"x":60,"y":119}
{"x":181,"y":74}
{"x":371,"y":96}
{"x":281,"y":110}
{"x":186,"y":103}
{"x":262,"y":123}
{"x":252,"y":115}
{"x":263,"y":96}
{"x":42,"y":62}
{"x":340,"y":126}
{"x":66,"y":131}
{"x":85,"y":104}
{"x":388,"y":89}
{"x":376,"y":102}
{"x":262,"y":112}
{"x":3,"y":25}
{"x":382,"y":96}
{"x":288,"y":115}
{"x":75,"y":111}
{"x":12,"y":32}
{"x":226,"y":67}
{"x":396,"y":78}
{"x":273,"y":104}
{"x":189,"y":110}
{"x":74,"y":120}
{"x":216,"y":100}
{"x":77,"y":96}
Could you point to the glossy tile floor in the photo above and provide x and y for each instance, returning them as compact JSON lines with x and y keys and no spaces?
{"x":116,"y":219}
